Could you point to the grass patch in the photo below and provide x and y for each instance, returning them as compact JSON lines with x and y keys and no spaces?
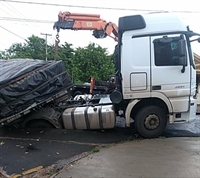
{"x":95,"y":150}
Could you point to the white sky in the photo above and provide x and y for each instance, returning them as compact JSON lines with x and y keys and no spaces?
{"x":83,"y":38}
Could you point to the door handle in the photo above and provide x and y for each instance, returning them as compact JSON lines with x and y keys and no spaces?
{"x":157,"y":87}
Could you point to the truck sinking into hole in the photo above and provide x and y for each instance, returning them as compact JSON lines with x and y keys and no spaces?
{"x":154,"y":83}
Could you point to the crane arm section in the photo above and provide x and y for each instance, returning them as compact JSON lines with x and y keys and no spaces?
{"x":78,"y":21}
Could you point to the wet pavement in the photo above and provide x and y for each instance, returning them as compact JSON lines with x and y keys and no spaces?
{"x":177,"y":157}
{"x":191,"y":129}
{"x":24,"y":149}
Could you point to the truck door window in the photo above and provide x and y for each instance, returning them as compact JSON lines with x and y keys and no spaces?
{"x":166,"y":51}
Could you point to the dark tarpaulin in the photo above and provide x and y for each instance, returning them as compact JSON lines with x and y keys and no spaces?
{"x":27,"y":81}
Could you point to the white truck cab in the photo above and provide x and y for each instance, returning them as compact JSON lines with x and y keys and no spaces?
{"x":155,"y":72}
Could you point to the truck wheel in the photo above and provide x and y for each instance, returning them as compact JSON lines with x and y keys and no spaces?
{"x":150,"y":121}
{"x":44,"y":118}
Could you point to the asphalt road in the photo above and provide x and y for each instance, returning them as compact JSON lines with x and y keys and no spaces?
{"x":24,"y":149}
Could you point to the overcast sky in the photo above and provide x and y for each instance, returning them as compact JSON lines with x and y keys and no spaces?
{"x":15,"y":31}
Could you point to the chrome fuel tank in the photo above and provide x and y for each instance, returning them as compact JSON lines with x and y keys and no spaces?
{"x":89,"y":117}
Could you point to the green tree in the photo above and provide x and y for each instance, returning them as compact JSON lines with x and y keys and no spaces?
{"x":18,"y":50}
{"x":34,"y":48}
{"x":4,"y":55}
{"x":92,"y":60}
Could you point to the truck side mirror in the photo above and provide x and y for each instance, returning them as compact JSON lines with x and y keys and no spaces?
{"x":183,"y":61}
{"x":182,"y":54}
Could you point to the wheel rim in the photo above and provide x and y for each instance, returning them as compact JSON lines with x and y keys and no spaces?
{"x":152,"y":122}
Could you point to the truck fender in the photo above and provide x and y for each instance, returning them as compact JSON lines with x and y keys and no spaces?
{"x":131,"y":104}
{"x":48,"y":114}
{"x":163,"y":98}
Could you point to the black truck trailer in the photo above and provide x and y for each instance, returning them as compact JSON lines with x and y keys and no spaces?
{"x":27,"y":85}
{"x":37,"y":93}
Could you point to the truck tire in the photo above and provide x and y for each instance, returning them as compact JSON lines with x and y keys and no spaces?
{"x":44,"y":118}
{"x":150,"y":121}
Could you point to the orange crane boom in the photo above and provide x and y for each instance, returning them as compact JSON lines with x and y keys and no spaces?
{"x":79,"y":21}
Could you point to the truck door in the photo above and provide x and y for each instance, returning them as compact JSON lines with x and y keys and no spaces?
{"x":135,"y":67}
{"x":170,"y":70}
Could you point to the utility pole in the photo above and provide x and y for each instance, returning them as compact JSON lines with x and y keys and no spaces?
{"x":46,"y":41}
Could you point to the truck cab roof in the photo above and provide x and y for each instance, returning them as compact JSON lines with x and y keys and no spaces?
{"x":152,"y":23}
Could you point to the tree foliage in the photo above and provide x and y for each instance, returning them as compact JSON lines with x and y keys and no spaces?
{"x":34,"y":48}
{"x":92,"y":61}
{"x":81,"y":63}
